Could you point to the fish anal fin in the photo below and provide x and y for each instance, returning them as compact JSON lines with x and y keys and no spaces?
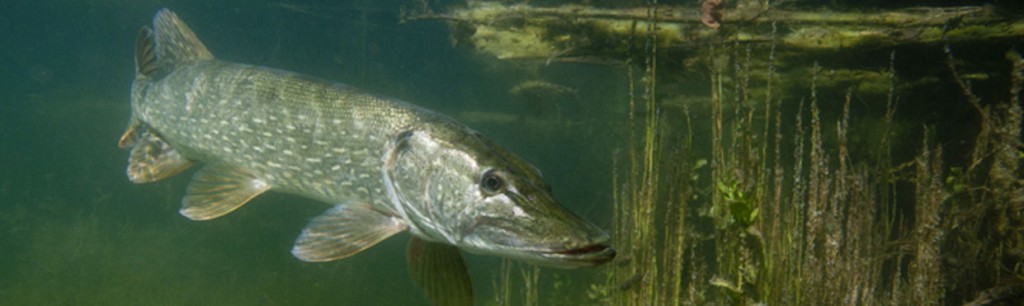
{"x":152,"y":159}
{"x":130,"y":136}
{"x":217,"y":190}
{"x":343,"y":231}
{"x":439,"y":270}
{"x":175,"y":42}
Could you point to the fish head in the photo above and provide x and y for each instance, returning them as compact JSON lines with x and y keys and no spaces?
{"x":455,"y":186}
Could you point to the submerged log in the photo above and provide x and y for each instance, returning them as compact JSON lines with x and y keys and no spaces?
{"x":584,"y":33}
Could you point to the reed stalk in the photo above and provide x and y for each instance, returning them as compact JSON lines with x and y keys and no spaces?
{"x":797,"y":215}
{"x":636,"y":210}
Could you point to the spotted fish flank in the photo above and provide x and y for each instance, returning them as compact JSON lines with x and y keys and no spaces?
{"x":387,"y":166}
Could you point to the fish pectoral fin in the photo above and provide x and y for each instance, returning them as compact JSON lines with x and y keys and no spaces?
{"x":343,"y":231}
{"x":440,"y":271}
{"x":152,"y":159}
{"x":219,"y":189}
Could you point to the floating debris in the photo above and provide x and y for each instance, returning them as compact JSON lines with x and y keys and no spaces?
{"x":539,"y":97}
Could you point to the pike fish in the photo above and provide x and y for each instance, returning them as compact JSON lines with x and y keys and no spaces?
{"x":385,"y":165}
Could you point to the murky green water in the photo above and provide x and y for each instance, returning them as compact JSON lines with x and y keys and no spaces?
{"x":75,"y":231}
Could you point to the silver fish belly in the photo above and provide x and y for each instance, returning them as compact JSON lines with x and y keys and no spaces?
{"x":385,"y":165}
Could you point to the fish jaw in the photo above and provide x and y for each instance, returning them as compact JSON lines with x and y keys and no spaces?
{"x":567,"y":258}
{"x":539,"y":231}
{"x":451,"y":185}
{"x":588,"y":256}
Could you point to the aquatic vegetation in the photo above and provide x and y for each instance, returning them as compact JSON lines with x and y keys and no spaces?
{"x":765,"y":169}
{"x":808,"y":199}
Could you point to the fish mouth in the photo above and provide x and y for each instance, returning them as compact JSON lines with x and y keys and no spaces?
{"x":585,"y":256}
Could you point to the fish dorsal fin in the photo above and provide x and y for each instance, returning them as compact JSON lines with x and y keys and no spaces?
{"x":439,"y":270}
{"x":152,"y":159}
{"x":219,"y":189}
{"x":343,"y":231}
{"x":176,"y":44}
{"x":145,"y":53}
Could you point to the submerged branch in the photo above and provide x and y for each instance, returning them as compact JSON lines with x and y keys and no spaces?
{"x":542,"y":33}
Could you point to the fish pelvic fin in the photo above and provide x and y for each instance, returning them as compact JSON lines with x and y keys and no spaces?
{"x":151,"y":159}
{"x":439,"y":270}
{"x":343,"y":231}
{"x":219,"y":189}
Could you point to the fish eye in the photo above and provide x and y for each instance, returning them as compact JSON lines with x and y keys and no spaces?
{"x":491,"y":182}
